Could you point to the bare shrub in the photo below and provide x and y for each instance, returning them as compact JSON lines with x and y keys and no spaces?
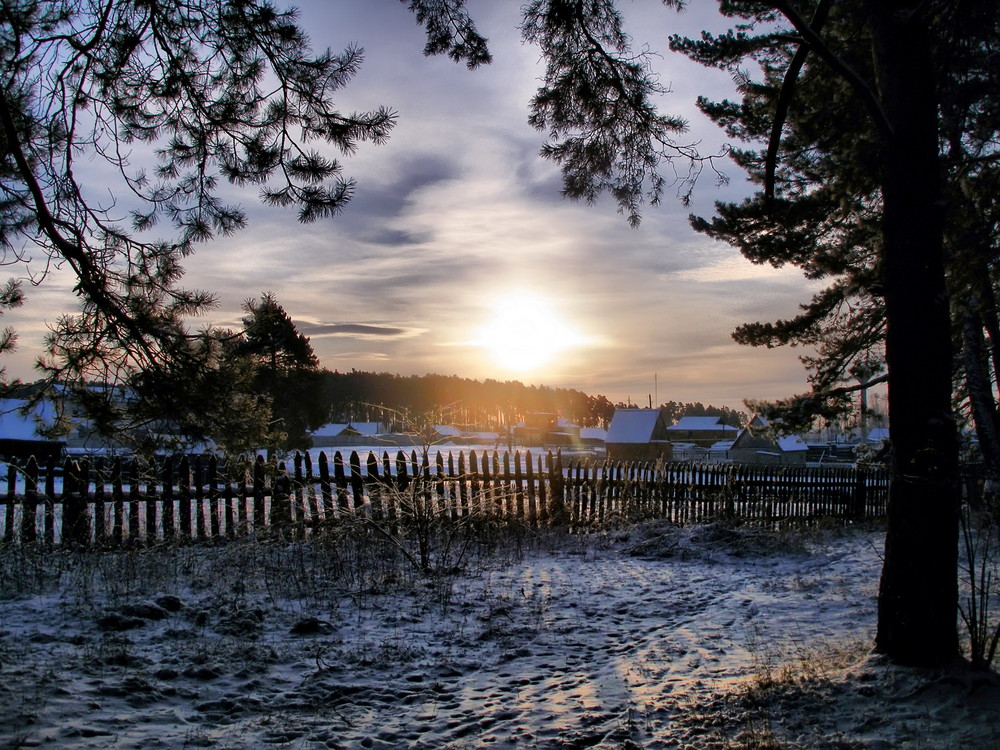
{"x":981,"y":580}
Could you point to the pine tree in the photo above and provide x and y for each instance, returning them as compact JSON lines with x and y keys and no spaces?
{"x":888,"y":240}
{"x":285,"y":370}
{"x":217,"y":90}
{"x":849,"y":112}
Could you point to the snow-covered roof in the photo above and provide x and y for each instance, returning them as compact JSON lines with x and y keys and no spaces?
{"x":632,"y":425}
{"x":701,"y":423}
{"x":593,"y":433}
{"x":447,"y":430}
{"x":14,"y":425}
{"x":367,"y":428}
{"x":787,"y":443}
{"x":332,"y":429}
{"x":791,"y":443}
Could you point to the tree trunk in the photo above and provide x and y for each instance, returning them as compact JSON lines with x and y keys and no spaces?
{"x":918,"y":595}
{"x":981,"y":398}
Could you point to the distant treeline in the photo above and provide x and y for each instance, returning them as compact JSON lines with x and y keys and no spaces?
{"x":381,"y":396}
{"x":407,"y":402}
{"x":369,"y":396}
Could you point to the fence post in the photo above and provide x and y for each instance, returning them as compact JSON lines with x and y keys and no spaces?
{"x":463,"y":485}
{"x":281,"y":491}
{"x":29,"y":506}
{"x":340,"y":479}
{"x":259,"y":519}
{"x":325,"y":488}
{"x":151,"y":502}
{"x":519,"y":489}
{"x":304,"y":499}
{"x":439,"y":486}
{"x":214,"y":524}
{"x":117,"y":504}
{"x":859,"y":510}
{"x":543,"y":490}
{"x":557,"y":487}
{"x":168,"y":498}
{"x":453,"y":489}
{"x":184,"y":497}
{"x":357,"y":481}
{"x":76,"y":524}
{"x":231,"y":496}
{"x":376,"y":483}
{"x":425,"y":484}
{"x":100,"y":531}
{"x":475,"y":491}
{"x":8,"y":527}
{"x":198,"y":501}
{"x":508,"y":491}
{"x":529,"y":476}
{"x":49,"y":502}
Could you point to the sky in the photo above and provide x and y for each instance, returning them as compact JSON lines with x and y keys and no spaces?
{"x":458,"y":255}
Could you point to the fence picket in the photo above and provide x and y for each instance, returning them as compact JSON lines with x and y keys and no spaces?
{"x":118,"y":503}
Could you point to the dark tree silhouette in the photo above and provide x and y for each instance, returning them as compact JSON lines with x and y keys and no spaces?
{"x":285,"y":370}
{"x":594,"y":105}
{"x":173,"y":97}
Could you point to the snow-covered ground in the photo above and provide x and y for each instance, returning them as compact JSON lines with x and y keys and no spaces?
{"x":701,"y":637}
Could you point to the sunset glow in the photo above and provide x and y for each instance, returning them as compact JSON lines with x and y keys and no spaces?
{"x":525,"y":332}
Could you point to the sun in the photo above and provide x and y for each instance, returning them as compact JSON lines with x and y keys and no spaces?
{"x":525,"y":332}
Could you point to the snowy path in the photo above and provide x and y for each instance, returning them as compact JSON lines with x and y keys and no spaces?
{"x":584,"y":647}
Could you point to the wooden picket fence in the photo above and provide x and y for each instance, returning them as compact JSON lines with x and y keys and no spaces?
{"x":122,"y":502}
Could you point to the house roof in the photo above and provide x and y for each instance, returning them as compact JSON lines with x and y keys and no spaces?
{"x":633,"y":425}
{"x":593,"y":433}
{"x":329,"y":430}
{"x":367,"y":428}
{"x":14,"y":425}
{"x":702,"y":423}
{"x":878,"y":433}
{"x":447,"y":430}
{"x":786,"y":443}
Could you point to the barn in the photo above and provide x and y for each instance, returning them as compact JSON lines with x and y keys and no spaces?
{"x":19,"y":431}
{"x":758,"y":444}
{"x":638,"y":435}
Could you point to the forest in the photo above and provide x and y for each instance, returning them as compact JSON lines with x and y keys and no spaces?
{"x":370,"y":396}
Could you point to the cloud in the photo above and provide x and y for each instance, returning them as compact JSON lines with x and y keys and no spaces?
{"x":356,"y":356}
{"x":737,"y":268}
{"x":357,"y":330}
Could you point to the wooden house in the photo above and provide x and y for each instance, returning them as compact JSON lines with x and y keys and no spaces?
{"x":20,"y":428}
{"x":758,"y":444}
{"x":704,"y":432}
{"x":638,"y":435}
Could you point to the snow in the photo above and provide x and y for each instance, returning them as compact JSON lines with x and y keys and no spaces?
{"x":878,"y":434}
{"x":701,"y":424}
{"x":593,"y":433}
{"x":633,"y":425}
{"x":786,"y":443}
{"x":330,"y":430}
{"x":650,"y":637}
{"x":15,"y":425}
{"x":368,"y":429}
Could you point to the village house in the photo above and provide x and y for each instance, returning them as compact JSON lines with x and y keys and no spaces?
{"x":758,"y":444}
{"x":638,"y":435}
{"x":704,"y":432}
{"x":20,"y":430}
{"x":346,"y":434}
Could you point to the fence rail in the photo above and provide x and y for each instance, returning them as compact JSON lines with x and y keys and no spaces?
{"x":132,"y":502}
